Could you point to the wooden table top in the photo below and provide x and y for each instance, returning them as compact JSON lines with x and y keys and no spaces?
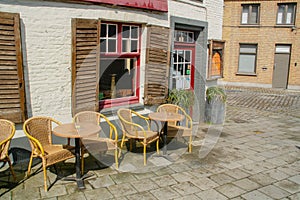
{"x":83,"y":130}
{"x":166,"y":117}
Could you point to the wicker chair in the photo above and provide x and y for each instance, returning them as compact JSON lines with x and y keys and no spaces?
{"x":96,"y":143}
{"x":178,"y":129}
{"x":135,"y":131}
{"x":7,"y":131}
{"x":39,"y":132}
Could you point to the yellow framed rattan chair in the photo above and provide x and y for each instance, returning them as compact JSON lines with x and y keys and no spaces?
{"x":96,"y":143}
{"x":7,"y":131}
{"x":135,"y":131}
{"x":178,"y":129}
{"x":39,"y":132}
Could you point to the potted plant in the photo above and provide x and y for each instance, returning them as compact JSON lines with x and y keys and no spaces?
{"x":182,"y":98}
{"x":215,"y":105}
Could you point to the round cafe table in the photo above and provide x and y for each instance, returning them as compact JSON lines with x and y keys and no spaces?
{"x":165,"y":117}
{"x":77,"y":132}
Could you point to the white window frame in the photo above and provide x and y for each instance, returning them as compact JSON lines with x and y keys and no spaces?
{"x":284,"y":17}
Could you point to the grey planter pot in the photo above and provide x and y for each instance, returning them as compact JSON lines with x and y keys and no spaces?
{"x":215,"y":111}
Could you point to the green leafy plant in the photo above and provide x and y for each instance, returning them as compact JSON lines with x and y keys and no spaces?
{"x":215,"y":93}
{"x":183,"y":98}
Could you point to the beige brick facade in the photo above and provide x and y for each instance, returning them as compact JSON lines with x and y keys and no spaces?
{"x":266,"y":35}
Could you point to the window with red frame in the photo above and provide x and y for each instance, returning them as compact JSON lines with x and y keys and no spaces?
{"x":119,"y":63}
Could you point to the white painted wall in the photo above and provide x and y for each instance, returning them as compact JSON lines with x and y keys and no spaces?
{"x":46,"y":42}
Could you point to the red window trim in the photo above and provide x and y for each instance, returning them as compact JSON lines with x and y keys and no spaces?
{"x":109,"y":103}
{"x":157,"y":5}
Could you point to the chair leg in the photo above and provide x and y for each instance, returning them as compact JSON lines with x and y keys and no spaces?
{"x":157,"y":146}
{"x":45,"y":175}
{"x":116,"y":158}
{"x":122,"y":143}
{"x":29,"y":165}
{"x":190,"y":145}
{"x":11,"y":169}
{"x":145,"y":159}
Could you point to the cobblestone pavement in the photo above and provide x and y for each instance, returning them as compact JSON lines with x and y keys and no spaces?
{"x":254,"y":155}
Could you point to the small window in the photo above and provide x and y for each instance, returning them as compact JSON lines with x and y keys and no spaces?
{"x":247,"y":58}
{"x":108,"y":38}
{"x":250,"y":14}
{"x":286,"y":14}
{"x":130,"y":38}
{"x":184,"y":36}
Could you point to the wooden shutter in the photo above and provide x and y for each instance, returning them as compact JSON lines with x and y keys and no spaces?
{"x":157,"y":65}
{"x":12,"y":99}
{"x":85,"y":64}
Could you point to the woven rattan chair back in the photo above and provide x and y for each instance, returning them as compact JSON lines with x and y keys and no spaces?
{"x":169,"y":108}
{"x":87,"y":116}
{"x":7,"y":131}
{"x":125,"y":116}
{"x":39,"y":133}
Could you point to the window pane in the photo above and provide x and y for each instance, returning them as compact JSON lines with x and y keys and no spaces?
{"x":280,"y":14}
{"x":245,"y":14}
{"x":134,"y":45}
{"x":289,"y":15}
{"x":248,"y":49}
{"x":102,"y":45}
{"x":112,"y":45}
{"x":247,"y":63}
{"x":282,"y":48}
{"x":125,"y":31}
{"x":134,"y":32}
{"x":117,"y":78}
{"x":112,"y":31}
{"x":190,"y":37}
{"x":103,"y":30}
{"x":254,"y":15}
{"x":180,"y":56}
{"x":126,"y":45}
{"x":187,"y":56}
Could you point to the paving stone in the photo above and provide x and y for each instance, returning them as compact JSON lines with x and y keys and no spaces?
{"x":274,"y":192}
{"x":56,"y":190}
{"x":144,"y":175}
{"x":289,"y":186}
{"x":180,"y":167}
{"x":74,"y":196}
{"x":164,"y":171}
{"x":165,"y":180}
{"x":222,"y":178}
{"x":276,"y":174}
{"x":246,"y":184}
{"x":100,"y":193}
{"x":141,"y":196}
{"x":204,"y":183}
{"x":230,"y":190}
{"x":237,"y":173}
{"x":122,"y":177}
{"x":144,"y":185}
{"x":188,"y":197}
{"x":182,"y":177}
{"x":256,"y":195}
{"x":122,"y":189}
{"x":165,"y":193}
{"x":103,"y":181}
{"x":29,"y":193}
{"x":294,"y":196}
{"x":185,"y":188}
{"x":211,"y":194}
{"x":295,"y":179}
{"x":262,"y":179}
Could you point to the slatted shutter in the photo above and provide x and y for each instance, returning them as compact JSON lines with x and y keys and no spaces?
{"x":85,"y":64}
{"x":12,"y":99}
{"x":157,"y":65}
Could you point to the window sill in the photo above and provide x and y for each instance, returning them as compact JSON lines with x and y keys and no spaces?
{"x":245,"y":74}
{"x":284,"y":26}
{"x":214,"y":78}
{"x":249,"y":26}
{"x":113,"y":110}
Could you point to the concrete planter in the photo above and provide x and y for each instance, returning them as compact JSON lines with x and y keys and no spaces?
{"x":215,"y":111}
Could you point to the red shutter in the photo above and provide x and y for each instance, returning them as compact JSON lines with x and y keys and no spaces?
{"x":12,"y":95}
{"x":85,"y":64}
{"x":157,"y":65}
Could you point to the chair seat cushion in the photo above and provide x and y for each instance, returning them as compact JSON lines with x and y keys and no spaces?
{"x":56,"y":153}
{"x":150,"y":136}
{"x":179,"y":131}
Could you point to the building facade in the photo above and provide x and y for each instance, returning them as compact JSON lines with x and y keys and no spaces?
{"x":61,"y":57}
{"x":262,"y":43}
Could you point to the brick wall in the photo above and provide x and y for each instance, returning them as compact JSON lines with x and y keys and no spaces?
{"x":266,"y":36}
